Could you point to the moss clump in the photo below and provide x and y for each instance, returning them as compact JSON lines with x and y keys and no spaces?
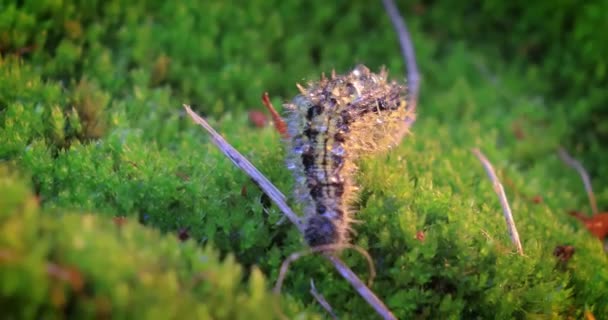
{"x":558,"y":48}
{"x":82,"y":266}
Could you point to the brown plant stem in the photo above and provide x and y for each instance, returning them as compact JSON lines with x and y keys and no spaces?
{"x":502,"y":197}
{"x":407,"y":49}
{"x":321,"y":300}
{"x":573,"y":163}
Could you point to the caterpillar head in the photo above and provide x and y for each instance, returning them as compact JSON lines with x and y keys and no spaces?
{"x":321,"y":230}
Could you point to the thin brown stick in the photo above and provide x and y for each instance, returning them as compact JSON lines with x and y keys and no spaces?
{"x":240,"y":161}
{"x":321,"y":300}
{"x":500,"y":191}
{"x":563,"y":154}
{"x":363,"y":291}
{"x":279,"y":199}
{"x":279,"y":123}
{"x":407,"y":49}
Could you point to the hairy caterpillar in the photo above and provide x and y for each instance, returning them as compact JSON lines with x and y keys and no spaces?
{"x":331,"y":124}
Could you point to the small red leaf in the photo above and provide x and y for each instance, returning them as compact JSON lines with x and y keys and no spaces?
{"x":258,"y":118}
{"x":420,"y":236}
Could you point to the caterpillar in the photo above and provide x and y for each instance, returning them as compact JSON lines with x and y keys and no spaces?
{"x":330,"y":125}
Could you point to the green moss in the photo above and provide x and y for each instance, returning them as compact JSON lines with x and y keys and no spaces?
{"x":81,"y":265}
{"x":558,"y":48}
{"x":90,"y":100}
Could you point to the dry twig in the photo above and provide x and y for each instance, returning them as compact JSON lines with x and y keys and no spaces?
{"x":500,"y":191}
{"x":321,"y":300}
{"x":563,"y":154}
{"x":407,"y":49}
{"x":279,"y":123}
{"x":244,"y":164}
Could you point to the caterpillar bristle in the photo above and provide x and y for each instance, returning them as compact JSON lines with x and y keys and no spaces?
{"x":383,"y":73}
{"x":301,"y":89}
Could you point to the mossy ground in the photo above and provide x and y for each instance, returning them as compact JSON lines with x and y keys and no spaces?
{"x":90,"y":107}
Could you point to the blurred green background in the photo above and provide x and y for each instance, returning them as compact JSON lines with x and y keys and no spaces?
{"x":114,"y":204}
